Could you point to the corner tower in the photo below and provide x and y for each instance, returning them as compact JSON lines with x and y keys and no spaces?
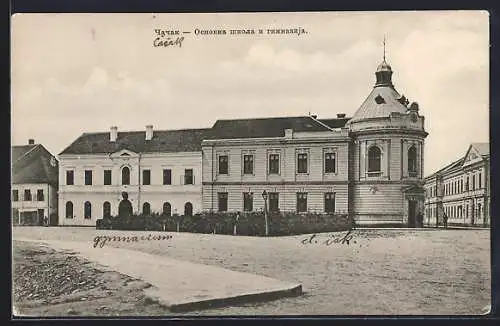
{"x":388,"y":135}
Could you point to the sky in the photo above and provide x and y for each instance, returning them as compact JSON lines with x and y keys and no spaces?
{"x":76,"y":73}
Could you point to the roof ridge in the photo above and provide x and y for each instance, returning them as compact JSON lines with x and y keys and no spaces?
{"x":265,"y":118}
{"x":22,"y":156}
{"x":138,"y":131}
{"x":321,"y":123}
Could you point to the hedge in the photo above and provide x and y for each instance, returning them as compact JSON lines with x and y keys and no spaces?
{"x":249,"y":224}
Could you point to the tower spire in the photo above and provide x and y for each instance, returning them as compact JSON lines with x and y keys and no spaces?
{"x":384,"y":71}
{"x":384,"y":47}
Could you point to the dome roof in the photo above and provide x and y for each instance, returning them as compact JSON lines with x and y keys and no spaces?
{"x":384,"y":66}
{"x":381,"y":102}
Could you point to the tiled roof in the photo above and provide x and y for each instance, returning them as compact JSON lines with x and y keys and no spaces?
{"x":264,"y":127}
{"x":380,"y":103}
{"x":32,"y":164}
{"x":186,"y":140}
{"x":19,"y":151}
{"x":335,"y":123}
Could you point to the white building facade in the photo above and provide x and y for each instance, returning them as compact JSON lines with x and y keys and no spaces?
{"x":461,"y":190}
{"x":369,"y":166}
{"x":160,"y":172}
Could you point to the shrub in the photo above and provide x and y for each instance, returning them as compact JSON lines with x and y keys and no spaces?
{"x":247,"y":223}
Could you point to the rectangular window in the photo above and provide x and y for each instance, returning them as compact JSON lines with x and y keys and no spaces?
{"x":247,"y":201}
{"x":88,"y":177}
{"x":274,"y":163}
{"x":146,"y":177}
{"x":70,"y":177}
{"x":188,"y":177}
{"x":473,"y":182}
{"x":27,"y":195}
{"x":330,"y":202}
{"x":301,"y":202}
{"x":222,"y":199}
{"x":107,"y":177}
{"x":247,"y":164}
{"x":274,"y":202}
{"x":39,"y":195}
{"x":15,"y":195}
{"x":223,"y":164}
{"x":461,"y":185}
{"x":167,"y":176}
{"x":302,"y":163}
{"x":479,"y":181}
{"x":329,"y":162}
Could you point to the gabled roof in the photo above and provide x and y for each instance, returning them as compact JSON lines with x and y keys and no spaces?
{"x":381,"y":102}
{"x":33,"y":164}
{"x":335,"y":123}
{"x":264,"y":127}
{"x":185,"y":140}
{"x":482,"y":148}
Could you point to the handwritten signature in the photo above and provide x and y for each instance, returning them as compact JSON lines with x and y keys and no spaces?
{"x":330,"y":239}
{"x":101,"y":240}
{"x":169,"y":41}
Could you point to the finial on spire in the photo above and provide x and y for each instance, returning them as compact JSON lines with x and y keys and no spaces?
{"x":384,"y":47}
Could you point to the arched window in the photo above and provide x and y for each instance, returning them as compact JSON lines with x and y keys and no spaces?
{"x":412,"y":161}
{"x":146,"y":208}
{"x":374,"y":159}
{"x":125,"y":176}
{"x":87,"y":207}
{"x":188,"y":209}
{"x":106,"y":209}
{"x":69,"y":209}
{"x":167,"y":209}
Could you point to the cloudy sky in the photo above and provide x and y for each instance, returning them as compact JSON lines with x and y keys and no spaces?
{"x":75,"y":73}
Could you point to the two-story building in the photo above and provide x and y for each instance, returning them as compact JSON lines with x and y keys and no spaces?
{"x":461,"y":190}
{"x":369,"y":166}
{"x":157,"y":171}
{"x":301,"y":162}
{"x":34,"y":185}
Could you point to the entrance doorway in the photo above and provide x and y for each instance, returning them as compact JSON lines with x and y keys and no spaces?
{"x":412,"y":213}
{"x":188,"y":209}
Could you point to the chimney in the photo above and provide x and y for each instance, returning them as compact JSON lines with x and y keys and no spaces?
{"x":113,"y":133}
{"x":340,"y":115}
{"x":149,"y":132}
{"x":31,"y":141}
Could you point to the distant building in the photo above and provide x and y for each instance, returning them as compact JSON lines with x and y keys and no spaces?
{"x":34,"y":185}
{"x":160,"y":172}
{"x":369,"y":166}
{"x":461,"y":190}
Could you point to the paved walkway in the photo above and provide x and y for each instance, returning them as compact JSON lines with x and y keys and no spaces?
{"x":180,"y":285}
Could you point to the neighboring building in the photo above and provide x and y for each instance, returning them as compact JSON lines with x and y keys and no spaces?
{"x":461,"y":190}
{"x":369,"y":166}
{"x":300,"y":161}
{"x":34,"y":185}
{"x":159,"y":170}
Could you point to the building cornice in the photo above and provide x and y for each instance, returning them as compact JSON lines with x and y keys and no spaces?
{"x":389,"y":131}
{"x":274,"y":141}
